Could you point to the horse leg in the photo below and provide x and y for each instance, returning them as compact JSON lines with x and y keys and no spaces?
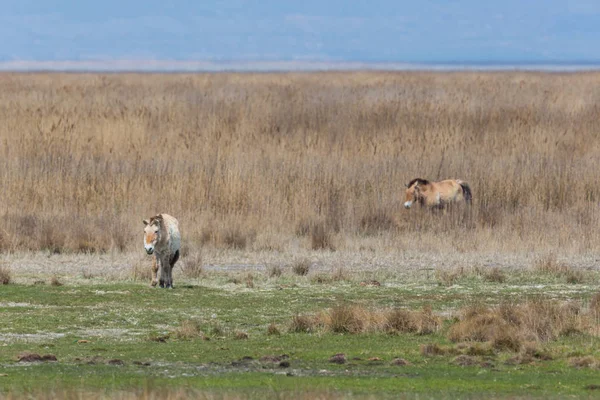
{"x":154,"y":280}
{"x":163,"y":271}
{"x":172,"y":262}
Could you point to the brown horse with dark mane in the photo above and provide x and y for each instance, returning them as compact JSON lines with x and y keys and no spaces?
{"x":437,"y":194}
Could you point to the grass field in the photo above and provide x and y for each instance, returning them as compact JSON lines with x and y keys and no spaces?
{"x":301,"y":274}
{"x":252,"y":333}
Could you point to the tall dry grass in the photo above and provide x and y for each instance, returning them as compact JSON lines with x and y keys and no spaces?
{"x":244,"y":160}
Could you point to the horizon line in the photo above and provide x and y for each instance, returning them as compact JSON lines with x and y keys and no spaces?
{"x":157,"y":65}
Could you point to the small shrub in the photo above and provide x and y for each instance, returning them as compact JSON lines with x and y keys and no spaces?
{"x":301,"y":267}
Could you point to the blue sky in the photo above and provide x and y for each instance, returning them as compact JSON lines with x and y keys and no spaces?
{"x":327,"y":30}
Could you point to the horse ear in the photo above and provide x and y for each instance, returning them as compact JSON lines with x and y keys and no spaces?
{"x":145,"y":222}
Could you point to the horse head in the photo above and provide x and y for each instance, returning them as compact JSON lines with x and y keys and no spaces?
{"x":414,"y":192}
{"x":152,"y":233}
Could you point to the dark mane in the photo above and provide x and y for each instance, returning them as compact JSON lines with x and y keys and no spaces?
{"x":158,"y":219}
{"x":419,"y":181}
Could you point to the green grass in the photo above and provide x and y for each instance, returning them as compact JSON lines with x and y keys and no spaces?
{"x":85,"y":326}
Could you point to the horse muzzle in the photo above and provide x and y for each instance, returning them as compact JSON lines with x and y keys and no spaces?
{"x":408,"y":204}
{"x":149,"y":250}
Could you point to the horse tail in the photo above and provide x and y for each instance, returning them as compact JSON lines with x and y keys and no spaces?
{"x":466,"y":191}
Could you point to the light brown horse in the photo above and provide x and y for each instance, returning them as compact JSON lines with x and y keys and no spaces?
{"x":162,"y":238}
{"x":437,"y":194}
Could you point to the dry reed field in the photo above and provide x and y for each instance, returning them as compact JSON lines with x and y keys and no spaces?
{"x":310,"y":160}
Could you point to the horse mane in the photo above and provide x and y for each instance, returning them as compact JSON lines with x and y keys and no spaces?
{"x":158,"y":219}
{"x":419,"y":181}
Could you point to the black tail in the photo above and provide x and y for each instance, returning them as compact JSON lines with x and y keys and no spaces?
{"x":174,"y":258}
{"x":466,"y":192}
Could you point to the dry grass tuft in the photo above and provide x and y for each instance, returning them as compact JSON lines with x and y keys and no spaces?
{"x":401,"y":321}
{"x":448,"y":277}
{"x":594,"y":305}
{"x":376,"y":221}
{"x":345,"y":319}
{"x":507,"y":326}
{"x":240,"y":335}
{"x":274,"y":271}
{"x":273,"y":330}
{"x":301,"y":267}
{"x":400,"y":362}
{"x":321,"y":237}
{"x":302,"y":324}
{"x":549,"y":265}
{"x":495,"y":275}
{"x":141,"y":270}
{"x":188,"y":330}
{"x":583,"y":362}
{"x":249,"y":280}
{"x":432,"y":349}
{"x":356,"y":319}
{"x":5,"y":275}
{"x":54,"y":281}
{"x":192,"y":266}
{"x":465,"y":361}
{"x":234,"y":238}
{"x":339,"y":358}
